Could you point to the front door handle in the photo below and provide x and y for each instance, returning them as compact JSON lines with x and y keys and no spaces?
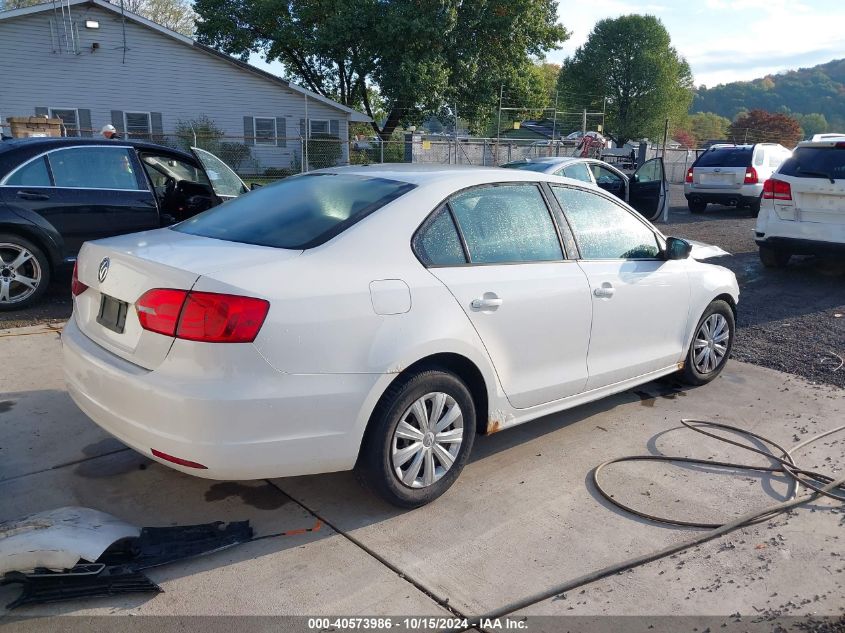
{"x":489,"y":301}
{"x":605,"y":291}
{"x":32,"y":195}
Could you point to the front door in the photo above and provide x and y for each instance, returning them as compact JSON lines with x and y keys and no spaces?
{"x":640,"y":301}
{"x":648,"y":189}
{"x":95,"y":191}
{"x":530,"y":307}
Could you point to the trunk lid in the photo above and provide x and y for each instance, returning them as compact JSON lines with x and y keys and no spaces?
{"x":140,"y":262}
{"x":813,"y":200}
{"x":719,"y":177}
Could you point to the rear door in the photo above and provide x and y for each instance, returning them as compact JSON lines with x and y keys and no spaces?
{"x":86,"y":192}
{"x":647,"y":189}
{"x":816,"y":176}
{"x":722,"y":169}
{"x":640,"y":301}
{"x":530,"y":306}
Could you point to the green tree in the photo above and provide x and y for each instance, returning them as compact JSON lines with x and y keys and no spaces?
{"x":707,"y":126}
{"x":630,"y":61}
{"x":200,"y":132}
{"x":417,"y":54}
{"x":813,"y":123}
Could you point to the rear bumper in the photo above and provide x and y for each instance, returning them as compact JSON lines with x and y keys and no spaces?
{"x":747,"y":194}
{"x":798,"y":246}
{"x":243,"y":421}
{"x":798,"y":237}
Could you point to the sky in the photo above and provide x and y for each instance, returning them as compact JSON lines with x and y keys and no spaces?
{"x":723,"y":40}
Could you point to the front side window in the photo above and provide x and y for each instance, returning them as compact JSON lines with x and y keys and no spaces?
{"x":437,"y":242}
{"x":603,"y":229}
{"x":138,"y":125}
{"x":506,"y":224}
{"x":162,"y":168}
{"x":578,"y":171}
{"x":298,"y":212}
{"x":225,"y":182}
{"x":70,"y":119}
{"x":93,"y":168}
{"x":33,"y":174}
{"x":265,"y":131}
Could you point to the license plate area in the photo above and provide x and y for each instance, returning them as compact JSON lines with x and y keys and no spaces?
{"x":112,"y":314}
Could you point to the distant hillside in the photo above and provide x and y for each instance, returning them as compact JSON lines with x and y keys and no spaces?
{"x":820,"y":89}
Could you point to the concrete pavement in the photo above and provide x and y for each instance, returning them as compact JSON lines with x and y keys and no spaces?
{"x":522,"y":518}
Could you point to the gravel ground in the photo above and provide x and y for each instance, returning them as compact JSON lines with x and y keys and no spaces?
{"x":787,"y":318}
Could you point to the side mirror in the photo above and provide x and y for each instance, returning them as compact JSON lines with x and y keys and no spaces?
{"x":255,"y":185}
{"x":676,"y":248}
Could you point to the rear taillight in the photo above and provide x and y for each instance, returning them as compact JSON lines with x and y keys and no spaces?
{"x":689,"y":174}
{"x":750,"y":176}
{"x":218,"y":318}
{"x":76,"y":286}
{"x":202,"y":316}
{"x":839,"y":145}
{"x":774,"y":189}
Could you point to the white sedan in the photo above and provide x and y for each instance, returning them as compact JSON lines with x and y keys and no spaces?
{"x":379,"y":318}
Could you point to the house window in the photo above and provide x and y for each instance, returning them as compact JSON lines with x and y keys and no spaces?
{"x":138,"y":125}
{"x":69,"y":117}
{"x":265,"y":131}
{"x":319,"y":127}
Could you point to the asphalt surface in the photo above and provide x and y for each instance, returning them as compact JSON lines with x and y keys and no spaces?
{"x":787,"y":318}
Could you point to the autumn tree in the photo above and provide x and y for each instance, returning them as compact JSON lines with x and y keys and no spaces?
{"x":759,"y":126}
{"x":416,"y":54}
{"x":629,"y":60}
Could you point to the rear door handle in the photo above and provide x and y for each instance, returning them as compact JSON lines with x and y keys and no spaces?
{"x":490,"y":301}
{"x":605,"y":291}
{"x":32,"y":195}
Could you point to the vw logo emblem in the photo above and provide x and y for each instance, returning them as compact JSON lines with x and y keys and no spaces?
{"x":103,"y":270}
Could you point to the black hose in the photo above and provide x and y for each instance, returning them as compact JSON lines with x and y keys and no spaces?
{"x":787,"y":466}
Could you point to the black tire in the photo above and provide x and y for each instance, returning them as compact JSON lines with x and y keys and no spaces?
{"x":39,"y":268}
{"x":696,"y":205}
{"x":755,"y":206}
{"x":691,"y":374}
{"x":375,"y":468}
{"x":774,"y":257}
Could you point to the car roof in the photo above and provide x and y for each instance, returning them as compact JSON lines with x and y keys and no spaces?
{"x":45,"y":144}
{"x":551,"y":160}
{"x":418,"y":174}
{"x":824,"y":140}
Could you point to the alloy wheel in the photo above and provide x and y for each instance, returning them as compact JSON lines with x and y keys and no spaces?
{"x":711,"y":343}
{"x":427,"y":440}
{"x":20,"y":273}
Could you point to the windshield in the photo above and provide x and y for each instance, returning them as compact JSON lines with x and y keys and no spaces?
{"x":816,"y":162}
{"x":528,"y":166}
{"x":298,"y":212}
{"x":725,"y":157}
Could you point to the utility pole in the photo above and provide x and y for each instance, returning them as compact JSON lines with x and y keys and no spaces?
{"x":603,"y":112}
{"x":554,"y":119}
{"x":665,"y":137}
{"x":499,"y":124}
{"x":584,"y":122}
{"x":456,"y":133}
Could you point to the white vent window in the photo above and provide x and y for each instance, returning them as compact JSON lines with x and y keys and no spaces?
{"x":319,"y":127}
{"x":265,"y":131}
{"x":69,"y":117}
{"x":138,"y":125}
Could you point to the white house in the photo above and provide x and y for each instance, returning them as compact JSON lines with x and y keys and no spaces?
{"x":90,"y":63}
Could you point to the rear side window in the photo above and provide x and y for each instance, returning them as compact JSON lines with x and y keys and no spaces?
{"x":93,"y":168}
{"x":725,"y":157}
{"x":578,"y":171}
{"x":437,"y":242}
{"x":506,"y":224}
{"x":32,"y":174}
{"x":299,"y":212}
{"x":816,"y":162}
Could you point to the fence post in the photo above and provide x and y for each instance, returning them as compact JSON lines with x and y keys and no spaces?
{"x":381,"y":142}
{"x":302,"y":154}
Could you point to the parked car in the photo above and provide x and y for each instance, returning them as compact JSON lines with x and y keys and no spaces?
{"x":378,"y":318}
{"x":56,"y":193}
{"x":803,"y":208}
{"x":732,"y":175}
{"x":645,"y":190}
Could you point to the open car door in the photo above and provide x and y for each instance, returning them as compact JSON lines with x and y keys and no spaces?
{"x":648,"y":191}
{"x":225,"y":182}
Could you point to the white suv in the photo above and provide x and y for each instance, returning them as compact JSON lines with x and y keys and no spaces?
{"x":732,"y":175}
{"x":803,"y":208}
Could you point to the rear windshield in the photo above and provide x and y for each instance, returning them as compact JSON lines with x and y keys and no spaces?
{"x":528,"y":166}
{"x":816,"y":162}
{"x":299,"y":212}
{"x":725,"y":157}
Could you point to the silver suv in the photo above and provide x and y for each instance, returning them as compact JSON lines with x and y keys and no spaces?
{"x":732,"y":175}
